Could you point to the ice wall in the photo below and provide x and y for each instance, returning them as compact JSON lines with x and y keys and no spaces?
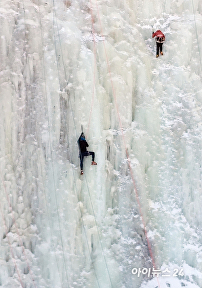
{"x":67,"y":64}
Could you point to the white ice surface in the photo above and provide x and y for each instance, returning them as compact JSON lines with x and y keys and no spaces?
{"x":69,"y":63}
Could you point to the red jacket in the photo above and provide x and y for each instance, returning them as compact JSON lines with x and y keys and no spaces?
{"x":160,"y":37}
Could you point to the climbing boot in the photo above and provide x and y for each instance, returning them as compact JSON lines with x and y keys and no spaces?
{"x":81,"y":172}
{"x":157,"y":56}
{"x":93,"y":163}
{"x":161,"y":53}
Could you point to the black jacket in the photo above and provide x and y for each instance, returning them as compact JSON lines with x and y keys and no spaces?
{"x":82,"y":144}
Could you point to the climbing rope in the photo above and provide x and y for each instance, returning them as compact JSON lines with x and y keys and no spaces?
{"x":94,"y":74}
{"x":70,"y":157}
{"x":46,"y":201}
{"x":197,"y":36}
{"x":127,"y":154}
{"x":50,"y":142}
{"x":84,"y":176}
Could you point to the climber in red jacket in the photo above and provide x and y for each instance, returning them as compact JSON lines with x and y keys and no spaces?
{"x":160,"y":38}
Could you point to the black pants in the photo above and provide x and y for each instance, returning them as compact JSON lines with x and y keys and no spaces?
{"x":158,"y":46}
{"x":87,"y":153}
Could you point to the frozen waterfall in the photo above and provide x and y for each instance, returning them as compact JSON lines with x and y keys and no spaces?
{"x":68,"y":65}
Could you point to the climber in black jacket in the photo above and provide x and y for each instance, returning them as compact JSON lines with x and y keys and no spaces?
{"x":83,"y":152}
